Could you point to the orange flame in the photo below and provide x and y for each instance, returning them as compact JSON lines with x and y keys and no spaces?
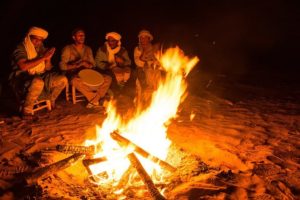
{"x":147,"y":128}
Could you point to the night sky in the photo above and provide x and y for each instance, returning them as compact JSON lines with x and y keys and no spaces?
{"x":237,"y":37}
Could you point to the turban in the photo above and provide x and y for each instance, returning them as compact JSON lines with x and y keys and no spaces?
{"x":145,"y":33}
{"x":112,"y":52}
{"x":31,"y":51}
{"x":38,"y":32}
{"x":114,"y":35}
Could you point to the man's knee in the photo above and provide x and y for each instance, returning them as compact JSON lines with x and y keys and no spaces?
{"x":62,"y":80}
{"x":37,"y":83}
{"x":107,"y":79}
{"x":75,"y":81}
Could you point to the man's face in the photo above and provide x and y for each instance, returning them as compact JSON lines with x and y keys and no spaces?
{"x":79,"y":37}
{"x":37,"y":41}
{"x":144,"y":40}
{"x":112,"y":42}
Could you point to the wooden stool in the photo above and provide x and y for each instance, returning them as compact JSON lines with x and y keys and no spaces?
{"x":67,"y":92}
{"x":41,"y":104}
{"x":77,"y":96}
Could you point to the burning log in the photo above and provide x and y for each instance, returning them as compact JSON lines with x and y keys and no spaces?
{"x":93,"y":161}
{"x":90,"y":150}
{"x":125,"y":177}
{"x":10,"y":172}
{"x":53,"y":168}
{"x":145,"y":177}
{"x":125,"y":142}
{"x":87,"y":162}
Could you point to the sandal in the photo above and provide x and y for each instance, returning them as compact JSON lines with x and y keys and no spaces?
{"x":93,"y":105}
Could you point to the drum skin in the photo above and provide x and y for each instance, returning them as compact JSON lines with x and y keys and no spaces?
{"x":91,"y":78}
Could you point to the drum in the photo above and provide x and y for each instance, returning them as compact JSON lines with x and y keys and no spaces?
{"x":91,"y":78}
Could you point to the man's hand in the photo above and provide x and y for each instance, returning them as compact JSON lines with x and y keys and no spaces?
{"x":119,"y":60}
{"x":47,"y":56}
{"x":86,"y":64}
{"x":49,"y":53}
{"x":156,"y":65}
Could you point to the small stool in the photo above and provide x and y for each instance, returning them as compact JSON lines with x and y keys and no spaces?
{"x":77,"y":96}
{"x":41,"y":104}
{"x":67,"y":92}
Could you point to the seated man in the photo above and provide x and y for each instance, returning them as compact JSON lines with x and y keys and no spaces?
{"x":114,"y":60}
{"x":79,"y":56}
{"x":31,"y":65}
{"x":148,"y":67}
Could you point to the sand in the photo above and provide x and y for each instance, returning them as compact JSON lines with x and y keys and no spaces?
{"x":250,"y":145}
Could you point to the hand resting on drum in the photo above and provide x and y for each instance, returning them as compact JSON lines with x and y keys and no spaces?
{"x":85,"y":64}
{"x":79,"y":64}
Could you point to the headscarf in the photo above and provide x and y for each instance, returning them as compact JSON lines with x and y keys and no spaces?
{"x":112,"y":52}
{"x":149,"y":45}
{"x":147,"y":52}
{"x":145,"y":33}
{"x":30,"y":49}
{"x":114,"y":35}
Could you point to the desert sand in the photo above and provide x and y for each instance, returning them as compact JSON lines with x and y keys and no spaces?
{"x":243,"y":146}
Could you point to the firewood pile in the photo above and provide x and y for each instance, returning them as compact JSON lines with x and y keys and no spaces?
{"x":38,"y":181}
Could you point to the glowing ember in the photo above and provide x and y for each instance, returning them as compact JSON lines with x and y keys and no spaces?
{"x":192,"y":116}
{"x":147,"y":128}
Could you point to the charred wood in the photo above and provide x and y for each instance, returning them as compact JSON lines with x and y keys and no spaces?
{"x":87,"y":162}
{"x":73,"y":149}
{"x":125,"y":142}
{"x":10,"y":172}
{"x":93,"y":161}
{"x":155,"y":194}
{"x":53,"y":168}
{"x":125,"y":177}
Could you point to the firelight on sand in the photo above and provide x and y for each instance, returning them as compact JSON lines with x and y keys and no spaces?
{"x":147,"y":128}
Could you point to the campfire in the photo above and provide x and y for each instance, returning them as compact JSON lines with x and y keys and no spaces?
{"x":133,"y":152}
{"x":141,"y":142}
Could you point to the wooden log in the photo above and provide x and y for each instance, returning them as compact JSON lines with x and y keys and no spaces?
{"x":93,"y":161}
{"x":155,"y":194}
{"x":125,"y":177}
{"x":11,"y":172}
{"x":125,"y":142}
{"x":74,"y":149}
{"x":53,"y":168}
{"x":87,"y":162}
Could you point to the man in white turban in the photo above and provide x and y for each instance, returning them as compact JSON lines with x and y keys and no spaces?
{"x":148,"y":67}
{"x":114,"y":60}
{"x":31,"y":65}
{"x":144,"y":58}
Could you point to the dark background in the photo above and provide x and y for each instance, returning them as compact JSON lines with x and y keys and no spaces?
{"x":238,"y":38}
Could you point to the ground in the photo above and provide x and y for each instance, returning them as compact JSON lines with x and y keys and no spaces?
{"x":247,"y":135}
